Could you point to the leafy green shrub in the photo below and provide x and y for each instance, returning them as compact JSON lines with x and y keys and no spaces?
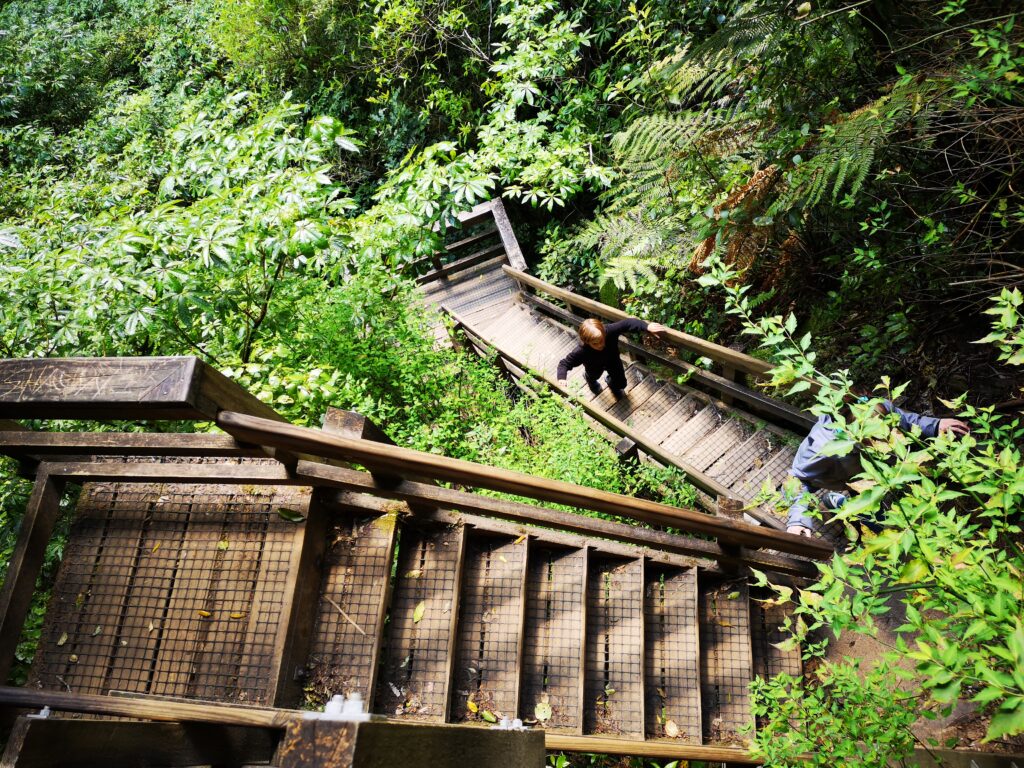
{"x":948,"y":556}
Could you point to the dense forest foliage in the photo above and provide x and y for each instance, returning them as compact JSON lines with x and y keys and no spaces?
{"x":249,"y":181}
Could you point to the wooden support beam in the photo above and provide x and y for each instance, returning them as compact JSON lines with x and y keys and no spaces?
{"x":300,"y":600}
{"x":19,"y":586}
{"x":44,"y":743}
{"x":358,"y":427}
{"x":508,"y":237}
{"x":147,"y":709}
{"x":144,"y":472}
{"x":700,"y":479}
{"x":12,"y":426}
{"x":122,"y":444}
{"x":404,"y":460}
{"x":426,"y":497}
{"x":121,"y":388}
{"x":556,"y":742}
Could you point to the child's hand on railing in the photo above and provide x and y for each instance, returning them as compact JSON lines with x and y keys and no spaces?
{"x":656,"y":329}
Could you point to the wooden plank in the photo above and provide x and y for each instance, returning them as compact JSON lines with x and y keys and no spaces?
{"x":315,"y":743}
{"x":258,"y":584}
{"x":100,"y":388}
{"x":134,"y":647}
{"x":654,"y":409}
{"x":775,"y":468}
{"x":26,"y":561}
{"x":12,"y":426}
{"x":524,"y":574}
{"x":716,"y":443}
{"x":553,"y":643}
{"x":122,"y":444}
{"x":301,"y":599}
{"x":742,"y":459}
{"x":354,"y":591}
{"x":82,"y":638}
{"x":716,"y":352}
{"x":395,"y":459}
{"x":581,"y":691}
{"x":71,"y":599}
{"x":160,"y":710}
{"x":558,"y":742}
{"x":116,"y":744}
{"x":693,"y":430}
{"x":219,"y":393}
{"x":153,"y":472}
{"x":486,"y":651}
{"x":508,"y":238}
{"x":614,"y":667}
{"x":672,"y":655}
{"x":634,"y":399}
{"x":681,"y":411}
{"x":726,"y":662}
{"x":416,"y":667}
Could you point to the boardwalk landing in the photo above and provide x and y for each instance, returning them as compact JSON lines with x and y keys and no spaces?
{"x":200,"y":570}
{"x":727,"y":448}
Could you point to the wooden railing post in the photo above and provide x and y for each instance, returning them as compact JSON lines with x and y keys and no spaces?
{"x":37,"y":526}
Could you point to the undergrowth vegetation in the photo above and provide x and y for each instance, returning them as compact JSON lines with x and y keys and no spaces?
{"x":249,"y":181}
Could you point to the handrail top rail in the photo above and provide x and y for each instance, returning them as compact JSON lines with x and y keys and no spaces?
{"x":722,"y":354}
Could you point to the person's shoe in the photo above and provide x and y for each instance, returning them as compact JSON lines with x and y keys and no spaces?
{"x":834,"y":499}
{"x":595,"y":387}
{"x":618,"y":394}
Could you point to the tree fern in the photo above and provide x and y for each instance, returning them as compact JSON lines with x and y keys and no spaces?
{"x":846,"y":150}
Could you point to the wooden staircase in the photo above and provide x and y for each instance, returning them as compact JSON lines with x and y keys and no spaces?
{"x":259,"y":568}
{"x":486,"y":621}
{"x":729,"y":439}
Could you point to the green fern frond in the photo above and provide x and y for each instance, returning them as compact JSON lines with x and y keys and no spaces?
{"x":847,"y":149}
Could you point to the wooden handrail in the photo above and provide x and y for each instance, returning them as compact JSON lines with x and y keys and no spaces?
{"x":717,"y":352}
{"x":162,"y":710}
{"x":700,"y":479}
{"x":405,"y":461}
{"x":781,"y":412}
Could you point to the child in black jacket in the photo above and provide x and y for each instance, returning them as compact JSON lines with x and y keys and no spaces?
{"x":598,"y":351}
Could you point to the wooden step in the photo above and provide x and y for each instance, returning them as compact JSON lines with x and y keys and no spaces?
{"x":489,"y":637}
{"x":353,"y":598}
{"x":415,"y":674}
{"x":742,"y":458}
{"x":774,"y":468}
{"x":693,"y":431}
{"x":654,"y":409}
{"x":456,"y":267}
{"x":726,"y":662}
{"x":675,"y":417}
{"x":713,"y":445}
{"x":614,"y":672}
{"x":671,"y":654}
{"x":635,"y":398}
{"x":554,"y":636}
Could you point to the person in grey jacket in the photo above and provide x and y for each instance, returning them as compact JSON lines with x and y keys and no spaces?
{"x":834,"y":473}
